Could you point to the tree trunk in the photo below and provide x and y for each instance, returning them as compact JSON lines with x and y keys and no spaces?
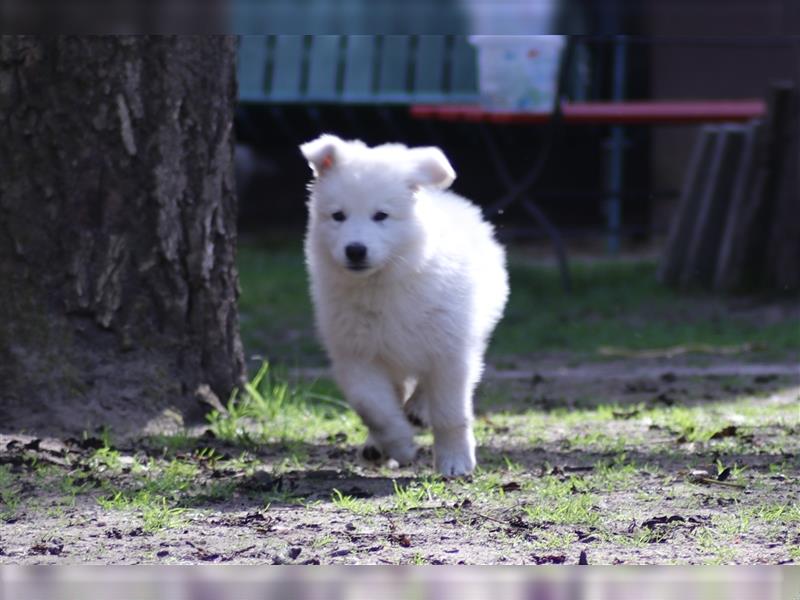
{"x":117,"y":230}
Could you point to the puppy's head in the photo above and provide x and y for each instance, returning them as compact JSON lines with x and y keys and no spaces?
{"x":363,"y":204}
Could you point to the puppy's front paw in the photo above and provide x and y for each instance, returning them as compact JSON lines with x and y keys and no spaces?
{"x":454,"y":465}
{"x":454,"y":452}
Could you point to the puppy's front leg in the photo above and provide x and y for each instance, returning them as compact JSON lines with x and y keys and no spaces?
{"x":450,"y":387}
{"x":370,"y":392}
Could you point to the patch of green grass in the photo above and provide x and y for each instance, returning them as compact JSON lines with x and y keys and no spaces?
{"x":613,"y":303}
{"x":169,"y":444}
{"x":572,"y":511}
{"x":599,"y":441}
{"x":157,"y":513}
{"x":216,"y":491}
{"x":562,"y":502}
{"x":106,"y":458}
{"x":620,"y":304}
{"x":116,"y":501}
{"x":700,"y":423}
{"x":171,"y":480}
{"x":357,"y":506}
{"x":639,"y":539}
{"x":779,"y":467}
{"x":794,"y":553}
{"x":274,"y":305}
{"x":537,"y":427}
{"x":512,"y":467}
{"x":552,"y":540}
{"x":160,"y":515}
{"x":158,"y":489}
{"x":322,"y":541}
{"x":274,"y":410}
{"x":730,"y":525}
{"x":711,"y":541}
{"x":71,"y":486}
{"x":104,"y":435}
{"x":408,"y":498}
{"x":10,"y":493}
{"x":780,"y":513}
{"x":692,"y":424}
{"x":616,"y":475}
{"x":419,"y":494}
{"x":486,"y":484}
{"x":245,"y":462}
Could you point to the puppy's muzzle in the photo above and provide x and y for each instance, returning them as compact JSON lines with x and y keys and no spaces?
{"x":356,"y":254}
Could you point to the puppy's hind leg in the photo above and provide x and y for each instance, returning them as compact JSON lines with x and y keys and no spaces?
{"x":416,"y":409}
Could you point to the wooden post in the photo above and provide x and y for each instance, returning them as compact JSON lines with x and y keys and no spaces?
{"x":782,"y":267}
{"x":733,"y":252}
{"x":738,"y":223}
{"x":675,"y":251}
{"x":710,"y":213}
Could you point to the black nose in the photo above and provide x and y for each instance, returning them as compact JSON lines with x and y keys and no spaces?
{"x":355,"y":252}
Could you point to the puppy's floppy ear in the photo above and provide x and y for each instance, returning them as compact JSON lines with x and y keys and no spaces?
{"x":429,"y":166}
{"x":322,"y":153}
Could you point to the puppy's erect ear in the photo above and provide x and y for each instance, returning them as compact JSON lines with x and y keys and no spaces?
{"x":429,"y":166}
{"x":322,"y":153}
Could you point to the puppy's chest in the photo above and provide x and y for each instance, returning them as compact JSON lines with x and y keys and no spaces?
{"x":392,"y":326}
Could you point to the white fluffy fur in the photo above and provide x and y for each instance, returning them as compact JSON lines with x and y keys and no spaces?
{"x":412,"y":328}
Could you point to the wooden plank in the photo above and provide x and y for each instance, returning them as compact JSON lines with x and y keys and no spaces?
{"x":393,"y":84}
{"x":464,"y":71}
{"x":672,"y":112}
{"x":674,"y":255}
{"x":731,"y":269}
{"x":323,"y":69}
{"x":666,"y":111}
{"x":288,"y":68}
{"x":704,"y":241}
{"x":252,"y":60}
{"x":358,"y":70}
{"x":429,"y":69}
{"x":757,"y":217}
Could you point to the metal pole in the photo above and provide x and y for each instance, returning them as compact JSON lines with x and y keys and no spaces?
{"x":616,"y":143}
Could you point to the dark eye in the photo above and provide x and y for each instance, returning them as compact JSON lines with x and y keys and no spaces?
{"x":380,"y":216}
{"x":338,"y":216}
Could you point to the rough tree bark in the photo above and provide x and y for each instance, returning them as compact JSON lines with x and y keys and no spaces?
{"x":118,"y":287}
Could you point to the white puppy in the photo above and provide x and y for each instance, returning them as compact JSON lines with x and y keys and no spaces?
{"x":407,"y":283}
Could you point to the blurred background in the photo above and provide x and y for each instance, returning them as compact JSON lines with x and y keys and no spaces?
{"x":639,"y":158}
{"x":293,"y":87}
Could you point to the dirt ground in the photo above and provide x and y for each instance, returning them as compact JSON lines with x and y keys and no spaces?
{"x":624,"y":462}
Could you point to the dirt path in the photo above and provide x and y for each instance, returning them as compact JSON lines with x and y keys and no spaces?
{"x":622,"y":462}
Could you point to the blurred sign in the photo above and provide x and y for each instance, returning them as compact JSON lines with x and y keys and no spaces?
{"x":518,"y":73}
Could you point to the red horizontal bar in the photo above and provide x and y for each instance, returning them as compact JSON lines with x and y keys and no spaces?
{"x":617,"y":113}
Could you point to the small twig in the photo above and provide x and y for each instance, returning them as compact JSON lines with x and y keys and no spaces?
{"x":239,"y":552}
{"x":477,"y":514}
{"x":709,"y":480}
